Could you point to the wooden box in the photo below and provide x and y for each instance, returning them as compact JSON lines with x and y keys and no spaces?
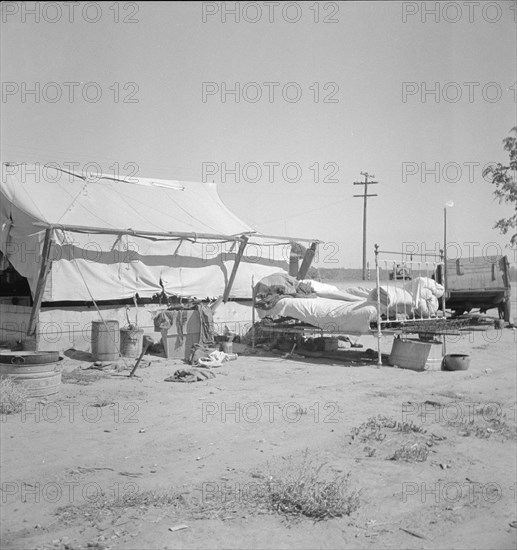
{"x":177,"y":346}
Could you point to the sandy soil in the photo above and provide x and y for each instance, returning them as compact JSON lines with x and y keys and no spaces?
{"x":148,"y":434}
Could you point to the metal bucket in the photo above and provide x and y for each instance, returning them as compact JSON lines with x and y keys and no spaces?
{"x":38,"y":380}
{"x":456,"y":361}
{"x":105,"y":340}
{"x":131,"y":342}
{"x":435,"y":357}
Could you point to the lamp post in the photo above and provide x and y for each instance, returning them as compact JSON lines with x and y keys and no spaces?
{"x":449,"y":204}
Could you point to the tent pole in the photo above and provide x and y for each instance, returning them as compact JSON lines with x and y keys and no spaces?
{"x":167,"y":234}
{"x":286,"y":238}
{"x":137,"y":233}
{"x":307,"y":261}
{"x":238,"y":258}
{"x":42,"y":280}
{"x":253,"y":312}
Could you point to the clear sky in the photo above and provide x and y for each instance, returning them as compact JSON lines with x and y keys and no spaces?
{"x":350,"y":96}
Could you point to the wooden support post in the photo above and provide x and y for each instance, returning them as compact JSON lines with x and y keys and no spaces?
{"x":293,"y":265}
{"x":42,"y":280}
{"x":307,"y":261}
{"x":297,"y":252}
{"x":238,"y":258}
{"x":253,"y":312}
{"x":379,"y":316}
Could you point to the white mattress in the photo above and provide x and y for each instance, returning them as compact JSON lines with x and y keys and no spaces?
{"x":334,"y":316}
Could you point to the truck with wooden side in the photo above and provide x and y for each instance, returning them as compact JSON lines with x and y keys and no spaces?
{"x":478,"y":283}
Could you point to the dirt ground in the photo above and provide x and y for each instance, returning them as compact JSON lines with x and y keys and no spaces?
{"x":68,"y":460}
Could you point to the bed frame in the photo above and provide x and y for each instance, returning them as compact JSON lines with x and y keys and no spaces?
{"x":387,"y":269}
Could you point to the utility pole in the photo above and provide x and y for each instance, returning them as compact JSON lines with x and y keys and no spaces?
{"x":365,"y":198}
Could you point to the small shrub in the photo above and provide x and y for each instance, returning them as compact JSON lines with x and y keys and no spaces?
{"x":376,"y":428}
{"x":12,"y":396}
{"x":302,"y":491}
{"x":296,"y":491}
{"x":372,"y":429}
{"x":486,"y":430}
{"x":385,"y":432}
{"x":410,"y":427}
{"x":411,"y":453}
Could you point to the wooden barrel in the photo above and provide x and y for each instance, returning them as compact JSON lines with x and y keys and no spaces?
{"x":38,"y":380}
{"x":105,"y":340}
{"x":131,"y":342}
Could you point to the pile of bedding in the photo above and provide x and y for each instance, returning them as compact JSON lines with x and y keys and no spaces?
{"x":347,"y":311}
{"x":318,"y":304}
{"x":416,"y":298}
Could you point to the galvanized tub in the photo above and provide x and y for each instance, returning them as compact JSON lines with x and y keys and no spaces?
{"x":39,"y":373}
{"x":409,"y":354}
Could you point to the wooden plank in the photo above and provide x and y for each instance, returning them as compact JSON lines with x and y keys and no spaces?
{"x":238,"y":258}
{"x":478,"y":261}
{"x":477,"y":274}
{"x":42,"y":280}
{"x":475,"y":283}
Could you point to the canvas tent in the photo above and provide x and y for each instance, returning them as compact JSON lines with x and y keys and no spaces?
{"x":110,"y":239}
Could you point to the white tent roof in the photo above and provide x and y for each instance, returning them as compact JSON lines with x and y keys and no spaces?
{"x":115,"y":238}
{"x":57,"y":197}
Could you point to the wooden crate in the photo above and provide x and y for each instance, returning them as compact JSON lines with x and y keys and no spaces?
{"x":177,"y":347}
